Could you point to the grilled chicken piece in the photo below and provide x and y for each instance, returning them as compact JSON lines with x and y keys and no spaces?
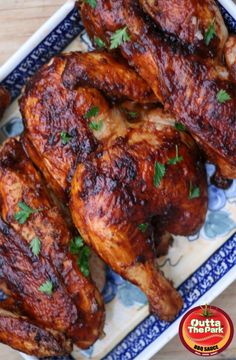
{"x":23,"y":335}
{"x":113,"y":200}
{"x":55,"y":107}
{"x":75,"y":306}
{"x":187,"y":85}
{"x":230,"y":55}
{"x":191,"y":22}
{"x":112,"y":190}
{"x":4,"y":100}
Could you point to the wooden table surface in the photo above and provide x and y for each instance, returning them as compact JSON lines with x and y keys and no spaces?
{"x":19,"y":19}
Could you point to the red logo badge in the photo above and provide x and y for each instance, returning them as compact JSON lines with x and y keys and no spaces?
{"x":206,"y":330}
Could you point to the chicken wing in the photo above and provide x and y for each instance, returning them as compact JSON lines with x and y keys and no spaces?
{"x":198,"y":24}
{"x":74,"y":307}
{"x":198,"y":92}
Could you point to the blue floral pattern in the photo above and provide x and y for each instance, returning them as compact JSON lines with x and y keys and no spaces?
{"x":127,"y":293}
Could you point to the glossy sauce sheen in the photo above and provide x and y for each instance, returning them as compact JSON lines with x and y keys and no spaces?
{"x":75,"y":306}
{"x":112,"y":189}
{"x":56,"y":100}
{"x":186,"y":84}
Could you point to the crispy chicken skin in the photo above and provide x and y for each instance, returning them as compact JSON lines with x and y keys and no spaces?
{"x":113,"y":193}
{"x":4,"y":100}
{"x":187,"y":85}
{"x":189,"y":21}
{"x":23,"y":335}
{"x":112,"y":190}
{"x":75,"y":307}
{"x":52,"y":104}
{"x":230,"y":55}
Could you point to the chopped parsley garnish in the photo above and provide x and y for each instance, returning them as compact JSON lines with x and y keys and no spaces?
{"x":92,"y":3}
{"x":180,"y":127}
{"x":47,"y":288}
{"x":119,"y":37}
{"x":159,"y":173}
{"x":210,"y":33}
{"x":143,"y":227}
{"x":223,"y":96}
{"x":194,"y":192}
{"x":65,"y":138}
{"x":99,"y":42}
{"x":93,"y":112}
{"x":77,"y":247}
{"x":76,"y":244}
{"x":35,"y":246}
{"x":83,"y":260}
{"x":132,"y":114}
{"x":177,"y":158}
{"x":22,"y":216}
{"x":96,"y":126}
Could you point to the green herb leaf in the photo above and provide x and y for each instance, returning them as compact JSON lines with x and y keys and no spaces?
{"x":194,"y":192}
{"x":76,"y":244}
{"x":99,"y":42}
{"x":35,"y":246}
{"x":159,"y":173}
{"x":96,"y":126}
{"x":223,"y":96}
{"x":131,"y":114}
{"x":210,"y":33}
{"x":83,"y":260}
{"x":180,"y":127}
{"x":77,"y":247}
{"x":47,"y":288}
{"x":65,"y":138}
{"x":25,"y":212}
{"x":177,"y":158}
{"x":92,"y":3}
{"x":119,"y":37}
{"x":143,"y":227}
{"x":93,"y":112}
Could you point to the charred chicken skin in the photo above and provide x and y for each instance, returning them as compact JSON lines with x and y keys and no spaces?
{"x":73,"y":309}
{"x":128,"y":174}
{"x":200,"y":93}
{"x":190,"y":21}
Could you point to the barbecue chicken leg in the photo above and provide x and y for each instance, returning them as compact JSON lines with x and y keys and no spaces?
{"x":128,"y":174}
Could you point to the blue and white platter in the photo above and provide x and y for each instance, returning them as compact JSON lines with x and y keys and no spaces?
{"x":201,"y":266}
